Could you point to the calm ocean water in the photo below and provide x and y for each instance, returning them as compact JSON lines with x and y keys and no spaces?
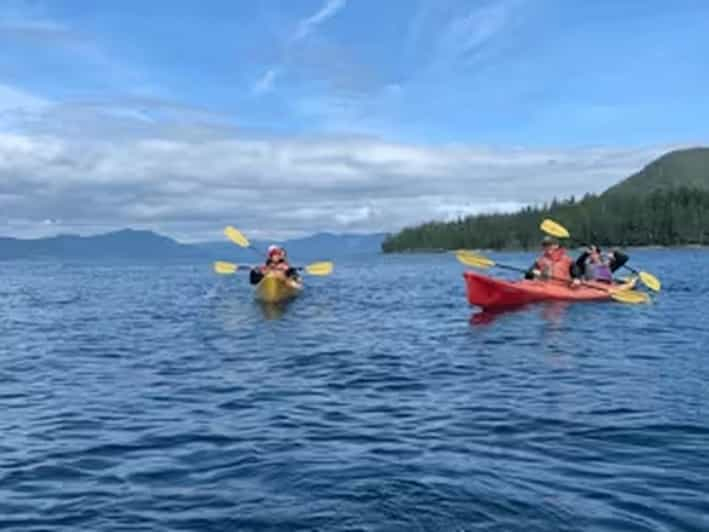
{"x":144,"y":397}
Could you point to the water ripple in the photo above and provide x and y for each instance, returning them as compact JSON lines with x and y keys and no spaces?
{"x":139,"y":397}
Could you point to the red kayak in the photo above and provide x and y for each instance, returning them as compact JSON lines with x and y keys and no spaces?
{"x":488,"y":292}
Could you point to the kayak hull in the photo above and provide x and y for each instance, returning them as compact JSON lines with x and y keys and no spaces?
{"x":490,"y":293}
{"x":275,"y":289}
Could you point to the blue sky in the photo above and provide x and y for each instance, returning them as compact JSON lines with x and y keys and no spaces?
{"x":492,"y":90}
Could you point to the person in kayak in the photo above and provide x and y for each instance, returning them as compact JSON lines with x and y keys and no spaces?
{"x":553,"y":263}
{"x":592,"y":265}
{"x":276,"y":262}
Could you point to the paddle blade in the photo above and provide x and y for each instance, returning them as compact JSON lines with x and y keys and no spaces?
{"x":225,"y":268}
{"x":649,"y":280}
{"x":632,"y":297}
{"x":474,"y":260}
{"x":236,"y":236}
{"x":319,"y":268}
{"x":553,"y":228}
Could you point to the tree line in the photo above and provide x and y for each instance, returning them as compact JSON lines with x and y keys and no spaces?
{"x":669,"y":217}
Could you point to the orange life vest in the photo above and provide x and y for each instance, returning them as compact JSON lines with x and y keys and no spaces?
{"x":557,"y":266}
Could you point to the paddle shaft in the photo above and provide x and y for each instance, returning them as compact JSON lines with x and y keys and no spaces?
{"x":636,"y":272}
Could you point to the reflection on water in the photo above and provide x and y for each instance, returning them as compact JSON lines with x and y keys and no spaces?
{"x":486,"y":317}
{"x":552,"y":312}
{"x":273,"y":311}
{"x":235,"y":306}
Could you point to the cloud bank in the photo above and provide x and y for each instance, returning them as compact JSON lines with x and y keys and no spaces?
{"x":102,"y":170}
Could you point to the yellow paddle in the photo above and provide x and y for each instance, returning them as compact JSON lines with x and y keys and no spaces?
{"x":553,"y":228}
{"x":648,"y":279}
{"x":316,"y":268}
{"x":319,"y":268}
{"x":225,"y":268}
{"x":236,"y":236}
{"x":475,"y":260}
{"x":232,"y":233}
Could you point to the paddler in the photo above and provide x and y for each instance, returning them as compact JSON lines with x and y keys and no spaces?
{"x":553,"y":263}
{"x":276,"y":262}
{"x":593,"y":265}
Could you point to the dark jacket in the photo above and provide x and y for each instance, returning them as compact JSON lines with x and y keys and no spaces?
{"x":256,"y":274}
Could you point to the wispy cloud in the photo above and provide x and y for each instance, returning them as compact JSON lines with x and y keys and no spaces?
{"x":32,"y":24}
{"x":40,"y":30}
{"x":266,"y":82}
{"x":328,"y":10}
{"x":304,"y":28}
{"x":14,"y":99}
{"x":29,"y":21}
{"x":471,"y":32}
{"x":443,"y":37}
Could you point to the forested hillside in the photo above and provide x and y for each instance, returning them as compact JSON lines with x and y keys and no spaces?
{"x":667,"y":203}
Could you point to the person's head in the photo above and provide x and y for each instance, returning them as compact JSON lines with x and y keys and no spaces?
{"x":549,"y":245}
{"x":276,"y":253}
{"x":595,"y":254}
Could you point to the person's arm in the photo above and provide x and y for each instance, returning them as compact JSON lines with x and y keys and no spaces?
{"x":581,"y":261}
{"x":533,"y":272}
{"x":618,"y":260}
{"x":578,"y":268}
{"x":575,"y":271}
{"x":255,"y":276}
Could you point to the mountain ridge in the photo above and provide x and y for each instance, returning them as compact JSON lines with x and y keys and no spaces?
{"x":687,"y":167}
{"x":664,"y":203}
{"x":130,"y":244}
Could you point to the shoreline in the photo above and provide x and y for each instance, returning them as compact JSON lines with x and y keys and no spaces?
{"x":534,"y":250}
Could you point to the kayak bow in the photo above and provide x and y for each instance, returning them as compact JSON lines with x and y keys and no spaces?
{"x":274,"y":289}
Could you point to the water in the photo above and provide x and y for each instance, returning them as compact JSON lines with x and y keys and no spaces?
{"x":143,"y":397}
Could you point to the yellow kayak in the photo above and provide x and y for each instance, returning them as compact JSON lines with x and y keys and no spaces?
{"x":273,"y":288}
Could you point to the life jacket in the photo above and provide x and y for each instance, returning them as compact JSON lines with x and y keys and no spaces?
{"x":558,"y":266}
{"x":280,"y":266}
{"x":598,"y":272}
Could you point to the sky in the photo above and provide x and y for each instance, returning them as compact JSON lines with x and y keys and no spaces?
{"x":286,"y":118}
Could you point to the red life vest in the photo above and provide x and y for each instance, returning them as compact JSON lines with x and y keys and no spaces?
{"x":558,"y":265}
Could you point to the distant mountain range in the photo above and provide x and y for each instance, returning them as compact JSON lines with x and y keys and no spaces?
{"x":129,"y":244}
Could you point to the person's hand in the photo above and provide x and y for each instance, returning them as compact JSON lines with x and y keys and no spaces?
{"x":575,"y":283}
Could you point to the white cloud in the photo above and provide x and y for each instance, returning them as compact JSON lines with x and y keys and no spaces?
{"x":470,"y":32}
{"x":305,"y":27}
{"x":328,"y":10}
{"x":14,"y":99}
{"x":190,"y":182}
{"x":443,"y":37}
{"x":265,"y":83}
